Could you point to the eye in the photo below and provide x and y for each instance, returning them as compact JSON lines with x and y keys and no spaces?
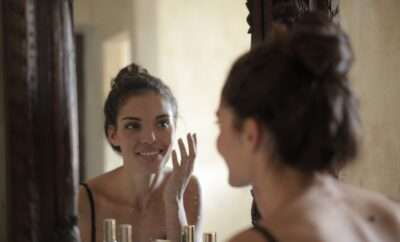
{"x":132,"y":125}
{"x":164,"y":123}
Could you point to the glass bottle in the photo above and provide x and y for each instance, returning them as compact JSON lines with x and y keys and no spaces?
{"x":109,"y":233}
{"x":125,"y":233}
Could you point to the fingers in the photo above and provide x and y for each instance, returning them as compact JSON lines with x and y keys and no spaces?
{"x":195,"y":139}
{"x":192,"y":152}
{"x":187,"y":155}
{"x":175,"y":163}
{"x":182,"y":150}
{"x":191,"y":146}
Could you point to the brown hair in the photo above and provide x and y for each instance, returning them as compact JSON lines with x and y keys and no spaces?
{"x":297,"y":87}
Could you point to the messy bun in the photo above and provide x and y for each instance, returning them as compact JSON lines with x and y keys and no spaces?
{"x":320,"y":46}
{"x":297,"y":87}
{"x":133,"y":80}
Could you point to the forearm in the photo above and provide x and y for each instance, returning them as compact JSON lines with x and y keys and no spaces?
{"x":175,"y":216}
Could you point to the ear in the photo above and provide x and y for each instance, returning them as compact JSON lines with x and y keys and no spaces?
{"x":252,"y":133}
{"x":112,"y":135}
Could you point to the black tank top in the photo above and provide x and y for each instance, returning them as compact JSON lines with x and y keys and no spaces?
{"x":92,"y":210}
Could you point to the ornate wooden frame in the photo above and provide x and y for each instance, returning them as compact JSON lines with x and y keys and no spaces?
{"x":41,"y":120}
{"x":262,"y":13}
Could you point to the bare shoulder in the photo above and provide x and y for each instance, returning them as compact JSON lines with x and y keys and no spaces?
{"x":105,"y":185}
{"x":373,"y":201}
{"x":84,"y":214}
{"x":381,"y":211}
{"x":193,"y":185}
{"x":248,"y":235}
{"x":192,"y":196}
{"x":192,"y":201}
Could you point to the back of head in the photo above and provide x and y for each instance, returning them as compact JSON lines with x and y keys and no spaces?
{"x":297,"y":87}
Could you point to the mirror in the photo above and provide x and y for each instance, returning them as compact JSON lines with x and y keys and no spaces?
{"x":190,"y":45}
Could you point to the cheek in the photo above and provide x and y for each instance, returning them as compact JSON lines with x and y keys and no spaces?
{"x":223,"y":147}
{"x":166,"y":136}
{"x":218,"y":143}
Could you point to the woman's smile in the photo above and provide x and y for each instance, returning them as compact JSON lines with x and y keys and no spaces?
{"x":151,"y":155}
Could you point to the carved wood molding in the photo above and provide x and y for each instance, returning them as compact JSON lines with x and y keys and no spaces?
{"x":41,"y":113}
{"x":259,"y":20}
{"x":330,"y":7}
{"x":262,"y":13}
{"x":287,"y":11}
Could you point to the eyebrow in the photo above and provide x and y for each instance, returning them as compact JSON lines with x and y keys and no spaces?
{"x":131,"y":118}
{"x":161,"y":116}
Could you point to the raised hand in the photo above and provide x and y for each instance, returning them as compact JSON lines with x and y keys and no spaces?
{"x":182,"y":171}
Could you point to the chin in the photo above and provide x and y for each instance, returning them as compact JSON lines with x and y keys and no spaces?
{"x":237,"y":182}
{"x":155,"y":168}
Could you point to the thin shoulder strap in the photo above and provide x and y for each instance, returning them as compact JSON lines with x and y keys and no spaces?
{"x":268,"y":236}
{"x":255,"y":213}
{"x":92,"y":210}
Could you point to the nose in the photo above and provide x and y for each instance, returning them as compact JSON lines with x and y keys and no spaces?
{"x":148,"y":136}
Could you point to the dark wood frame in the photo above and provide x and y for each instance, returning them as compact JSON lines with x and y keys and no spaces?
{"x":80,"y":81}
{"x":262,"y":13}
{"x":41,"y":120}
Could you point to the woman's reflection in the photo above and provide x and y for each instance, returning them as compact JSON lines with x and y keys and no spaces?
{"x":140,"y":122}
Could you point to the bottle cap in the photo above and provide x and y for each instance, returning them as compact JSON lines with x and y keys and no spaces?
{"x":109,"y":230}
{"x":210,"y":237}
{"x":125,"y":232}
{"x":188,"y":233}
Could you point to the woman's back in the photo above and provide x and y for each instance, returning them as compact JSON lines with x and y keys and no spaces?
{"x":332,"y":211}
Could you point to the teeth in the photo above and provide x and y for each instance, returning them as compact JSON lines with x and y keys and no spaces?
{"x":149,"y":153}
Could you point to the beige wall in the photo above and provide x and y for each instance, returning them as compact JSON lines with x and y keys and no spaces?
{"x":104,"y":25}
{"x":190,"y":44}
{"x":374,"y":29}
{"x":198,"y":40}
{"x":3,"y":174}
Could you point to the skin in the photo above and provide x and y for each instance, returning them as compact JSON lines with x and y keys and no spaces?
{"x":299,"y":207}
{"x":156,"y":201}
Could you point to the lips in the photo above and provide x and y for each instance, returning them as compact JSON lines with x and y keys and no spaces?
{"x":150,"y":155}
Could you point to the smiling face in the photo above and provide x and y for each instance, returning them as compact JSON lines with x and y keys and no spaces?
{"x":144,"y":132}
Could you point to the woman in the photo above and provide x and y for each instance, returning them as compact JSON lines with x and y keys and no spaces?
{"x":288,"y":118}
{"x":140,"y":121}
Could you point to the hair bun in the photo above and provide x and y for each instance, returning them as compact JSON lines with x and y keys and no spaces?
{"x":321,"y":47}
{"x":129,"y":72}
{"x":135,"y":69}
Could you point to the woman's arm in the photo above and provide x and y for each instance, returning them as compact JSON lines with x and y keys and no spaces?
{"x":182,"y":192}
{"x":184,"y":212}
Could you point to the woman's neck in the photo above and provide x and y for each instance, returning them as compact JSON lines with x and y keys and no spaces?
{"x":139,"y":187}
{"x":277,"y":188}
